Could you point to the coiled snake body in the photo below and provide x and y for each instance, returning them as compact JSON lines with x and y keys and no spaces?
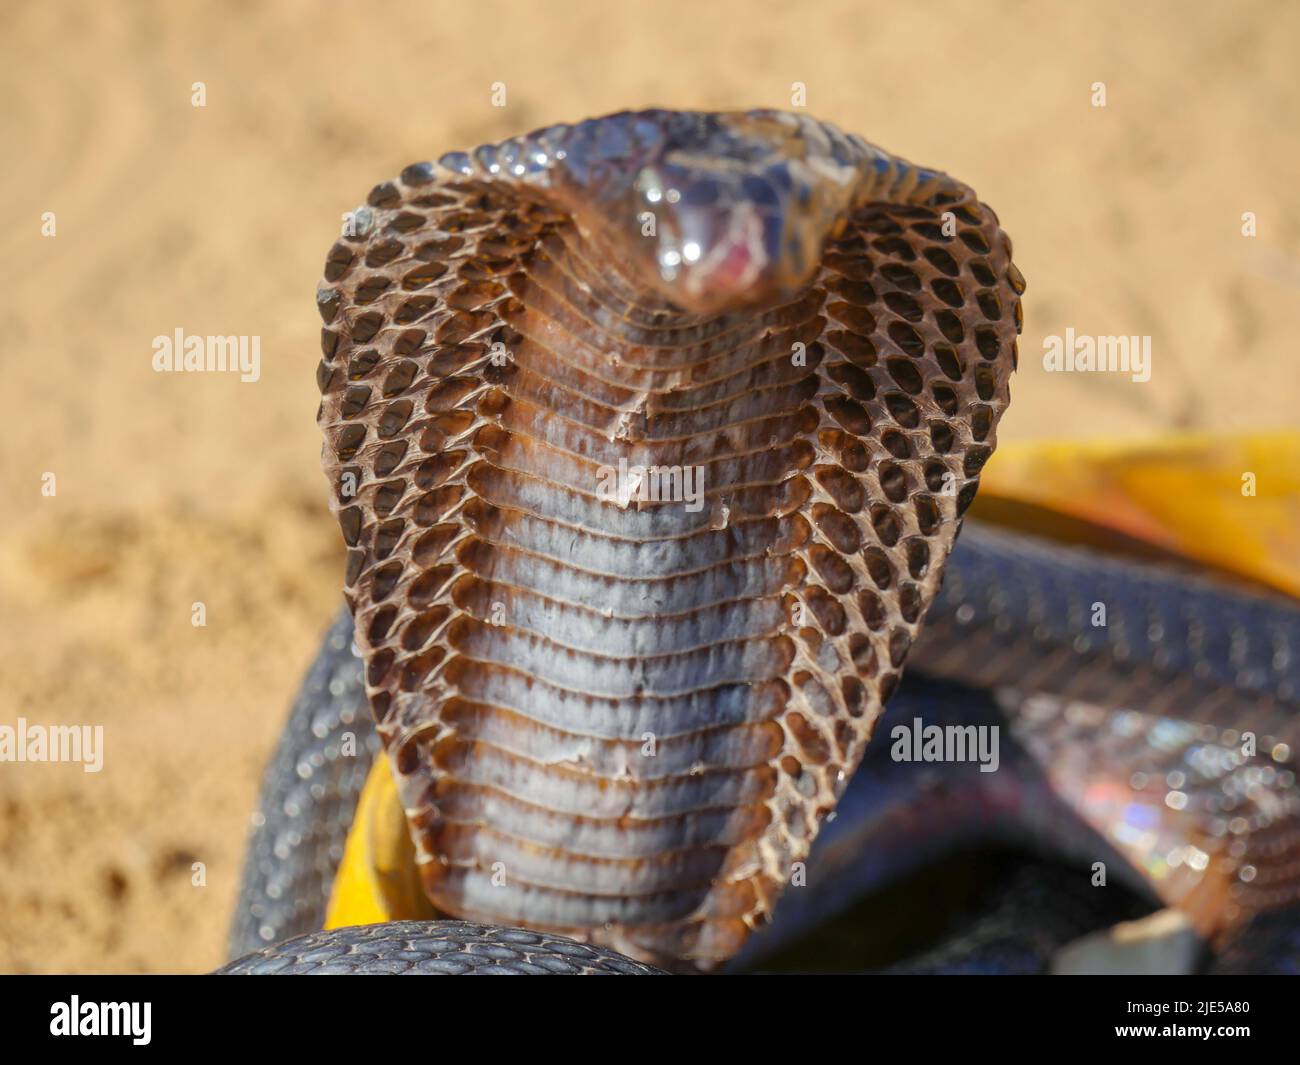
{"x":650,"y":439}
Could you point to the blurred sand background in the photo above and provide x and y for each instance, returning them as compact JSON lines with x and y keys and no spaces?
{"x":179,"y":488}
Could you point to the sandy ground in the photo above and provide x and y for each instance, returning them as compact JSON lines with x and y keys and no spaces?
{"x":176,"y":489}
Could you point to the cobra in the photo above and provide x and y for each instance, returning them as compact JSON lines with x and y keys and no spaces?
{"x":824,"y":331}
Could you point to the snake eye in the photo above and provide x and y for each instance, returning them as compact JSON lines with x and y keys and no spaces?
{"x":701,"y":193}
{"x":760,"y":192}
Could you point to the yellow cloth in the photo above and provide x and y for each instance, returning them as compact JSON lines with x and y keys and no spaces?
{"x":1186,"y":496}
{"x":377,"y":879}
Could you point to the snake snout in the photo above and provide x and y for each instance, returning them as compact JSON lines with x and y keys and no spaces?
{"x":711,"y":212}
{"x":741,"y":225}
{"x":713,"y":249}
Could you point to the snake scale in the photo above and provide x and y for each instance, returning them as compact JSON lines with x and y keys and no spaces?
{"x":650,"y":439}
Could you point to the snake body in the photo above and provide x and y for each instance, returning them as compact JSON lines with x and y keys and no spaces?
{"x":308,"y":798}
{"x":623,"y":716}
{"x":442,"y":948}
{"x":618,"y":709}
{"x":896,"y":817}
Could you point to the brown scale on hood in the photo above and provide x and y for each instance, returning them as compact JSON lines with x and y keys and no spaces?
{"x":623,"y":717}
